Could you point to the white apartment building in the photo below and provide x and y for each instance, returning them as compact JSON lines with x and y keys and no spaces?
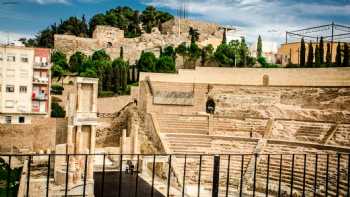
{"x":17,"y":69}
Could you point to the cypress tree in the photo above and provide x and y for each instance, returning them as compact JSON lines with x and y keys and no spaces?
{"x":224,"y":40}
{"x":346,"y":55}
{"x":338,"y":55}
{"x":259,"y":47}
{"x":310,"y":57}
{"x":302,"y":53}
{"x":321,"y":51}
{"x":328,"y":55}
{"x":203,"y":57}
{"x":317,"y":56}
{"x":121,"y":52}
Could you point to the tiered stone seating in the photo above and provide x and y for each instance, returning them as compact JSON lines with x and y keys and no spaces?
{"x":170,"y":123}
{"x":287,"y":149}
{"x":341,"y":136}
{"x":204,"y":144}
{"x":239,"y":127}
{"x":300,"y":131}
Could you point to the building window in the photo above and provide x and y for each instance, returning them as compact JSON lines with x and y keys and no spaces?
{"x":8,"y":119}
{"x":37,"y":59}
{"x":1,"y":57}
{"x":23,"y":89}
{"x":9,"y":104}
{"x":10,"y":72}
{"x":24,"y":58}
{"x":11,"y":58}
{"x":23,"y":73}
{"x":21,"y":119}
{"x":109,"y":45}
{"x":10,"y":88}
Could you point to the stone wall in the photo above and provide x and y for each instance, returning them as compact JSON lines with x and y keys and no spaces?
{"x":112,"y":104}
{"x":296,"y":103}
{"x":111,"y":39}
{"x":40,"y":135}
{"x":319,"y":77}
{"x":323,"y":95}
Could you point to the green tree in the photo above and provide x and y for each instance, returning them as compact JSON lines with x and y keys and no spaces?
{"x":76,"y":61}
{"x":317,"y":57}
{"x":73,"y":26}
{"x":57,"y":111}
{"x":120,"y":72}
{"x":338,"y":55}
{"x":12,"y":175}
{"x":194,"y":34}
{"x":225,"y":54}
{"x":169,"y":51}
{"x":149,"y":18}
{"x":321,"y":51}
{"x":165,"y":64}
{"x":89,"y":72}
{"x":243,"y":52}
{"x":310,"y":56}
{"x":207,"y":53}
{"x":328,"y":55}
{"x":121,"y":52}
{"x":57,"y":71}
{"x":98,"y":19}
{"x":100,"y":55}
{"x":346,"y":61}
{"x":59,"y":58}
{"x":60,"y":66}
{"x":147,"y":62}
{"x":302,"y":53}
{"x":259,"y":47}
{"x":181,"y":49}
{"x":224,"y":39}
{"x":194,"y":51}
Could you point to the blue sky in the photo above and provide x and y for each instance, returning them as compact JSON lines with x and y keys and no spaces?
{"x":270,"y":18}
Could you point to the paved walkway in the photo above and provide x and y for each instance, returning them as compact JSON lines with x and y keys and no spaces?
{"x":128,"y":185}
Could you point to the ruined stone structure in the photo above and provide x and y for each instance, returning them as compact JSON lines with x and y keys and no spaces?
{"x":283,"y":111}
{"x":81,"y":132}
{"x":111,"y":39}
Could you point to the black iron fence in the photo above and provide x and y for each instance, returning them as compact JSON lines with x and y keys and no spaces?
{"x":181,"y":174}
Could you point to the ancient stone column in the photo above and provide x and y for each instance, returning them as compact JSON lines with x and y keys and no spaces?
{"x":90,"y":169}
{"x":78,"y":140}
{"x":123,"y":142}
{"x":70,"y":147}
{"x":79,"y":95}
{"x":94,"y":97}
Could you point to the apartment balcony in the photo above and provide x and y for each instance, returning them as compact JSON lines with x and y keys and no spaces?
{"x":41,"y":80}
{"x":42,"y":65}
{"x":40,"y":96}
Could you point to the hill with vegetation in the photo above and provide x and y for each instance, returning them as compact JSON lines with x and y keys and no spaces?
{"x":133,"y":22}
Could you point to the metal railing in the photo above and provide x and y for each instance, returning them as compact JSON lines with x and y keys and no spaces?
{"x":222,"y":174}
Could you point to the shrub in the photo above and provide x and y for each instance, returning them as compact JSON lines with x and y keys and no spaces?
{"x":106,"y":94}
{"x":165,"y":64}
{"x":57,"y":89}
{"x":57,"y":111}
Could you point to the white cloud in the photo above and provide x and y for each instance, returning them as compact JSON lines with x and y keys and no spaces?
{"x":270,"y":18}
{"x":51,"y":1}
{"x":11,"y":37}
{"x":67,"y":2}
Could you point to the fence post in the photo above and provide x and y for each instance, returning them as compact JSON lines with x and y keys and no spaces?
{"x":216,"y":176}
